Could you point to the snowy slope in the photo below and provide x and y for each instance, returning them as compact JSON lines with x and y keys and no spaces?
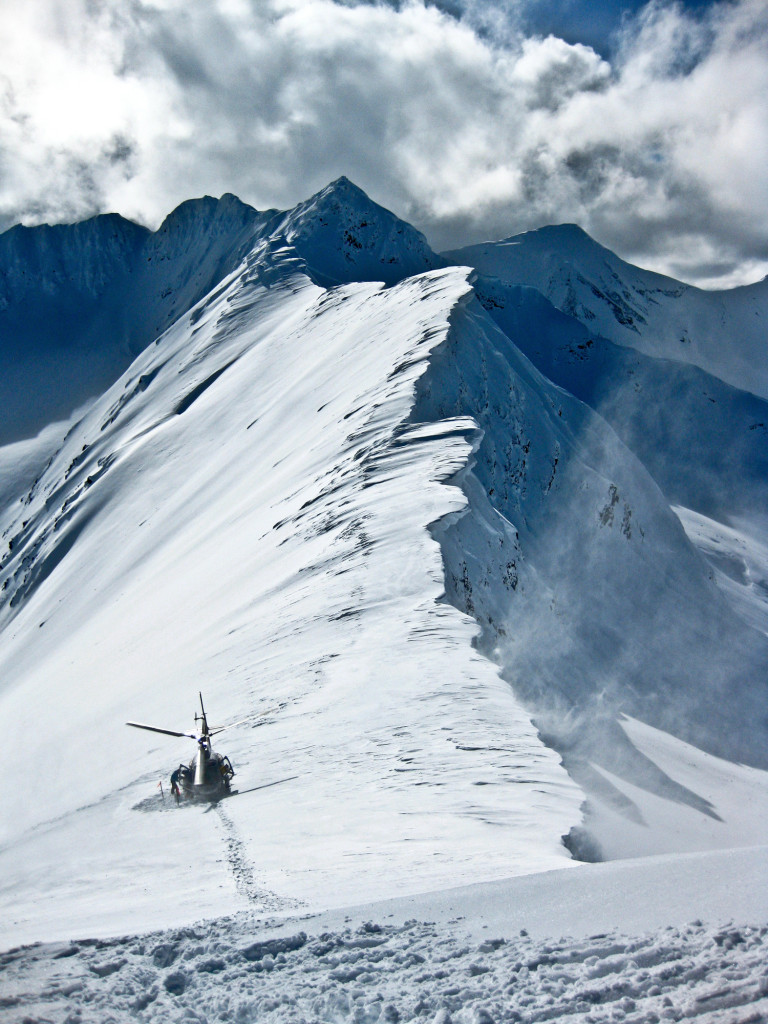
{"x":723,"y":333}
{"x":702,"y":439}
{"x":542,"y":947}
{"x":591,"y":600}
{"x":359,"y":519}
{"x":704,"y":442}
{"x":738,"y":555}
{"x":218,"y":523}
{"x":79,"y":302}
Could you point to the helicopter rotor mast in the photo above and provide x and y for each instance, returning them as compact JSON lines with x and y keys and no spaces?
{"x":204,"y":745}
{"x":205,"y":732}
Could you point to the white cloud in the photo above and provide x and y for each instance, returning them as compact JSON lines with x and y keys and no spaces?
{"x":136,"y":106}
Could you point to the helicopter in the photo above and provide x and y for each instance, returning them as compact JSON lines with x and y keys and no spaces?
{"x":208,"y":775}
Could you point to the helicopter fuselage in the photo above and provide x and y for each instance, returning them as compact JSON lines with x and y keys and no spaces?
{"x":212,"y":782}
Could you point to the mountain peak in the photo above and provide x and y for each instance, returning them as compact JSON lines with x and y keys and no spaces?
{"x":566,"y":240}
{"x":209,"y":214}
{"x":343,"y":235}
{"x":342,"y":195}
{"x":342,"y":185}
{"x":565,"y":233}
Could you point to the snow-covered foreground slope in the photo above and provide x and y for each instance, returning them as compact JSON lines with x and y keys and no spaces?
{"x":246,"y":513}
{"x":543,"y":947}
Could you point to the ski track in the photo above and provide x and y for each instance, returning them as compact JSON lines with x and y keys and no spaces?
{"x":377,"y":973}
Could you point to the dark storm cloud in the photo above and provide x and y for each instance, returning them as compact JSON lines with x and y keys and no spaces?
{"x":448,"y":113}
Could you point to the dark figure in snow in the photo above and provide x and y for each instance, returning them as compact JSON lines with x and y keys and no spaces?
{"x":175,"y":783}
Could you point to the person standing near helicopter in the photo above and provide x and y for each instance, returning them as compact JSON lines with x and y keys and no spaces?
{"x":175,"y":777}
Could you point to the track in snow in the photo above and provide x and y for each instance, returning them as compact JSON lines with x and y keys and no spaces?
{"x":243,"y":869}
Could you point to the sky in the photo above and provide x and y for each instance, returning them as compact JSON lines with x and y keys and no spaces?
{"x":646,"y":124}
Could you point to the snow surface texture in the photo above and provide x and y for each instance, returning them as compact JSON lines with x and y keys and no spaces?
{"x":468,"y":956}
{"x":389,"y":973}
{"x":361,"y":520}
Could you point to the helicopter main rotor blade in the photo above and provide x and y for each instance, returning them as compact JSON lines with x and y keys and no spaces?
{"x":165,"y":732}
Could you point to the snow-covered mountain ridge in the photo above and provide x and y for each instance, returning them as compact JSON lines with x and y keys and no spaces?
{"x":722,"y":332}
{"x":78,"y":302}
{"x":216,"y":523}
{"x":357,"y":516}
